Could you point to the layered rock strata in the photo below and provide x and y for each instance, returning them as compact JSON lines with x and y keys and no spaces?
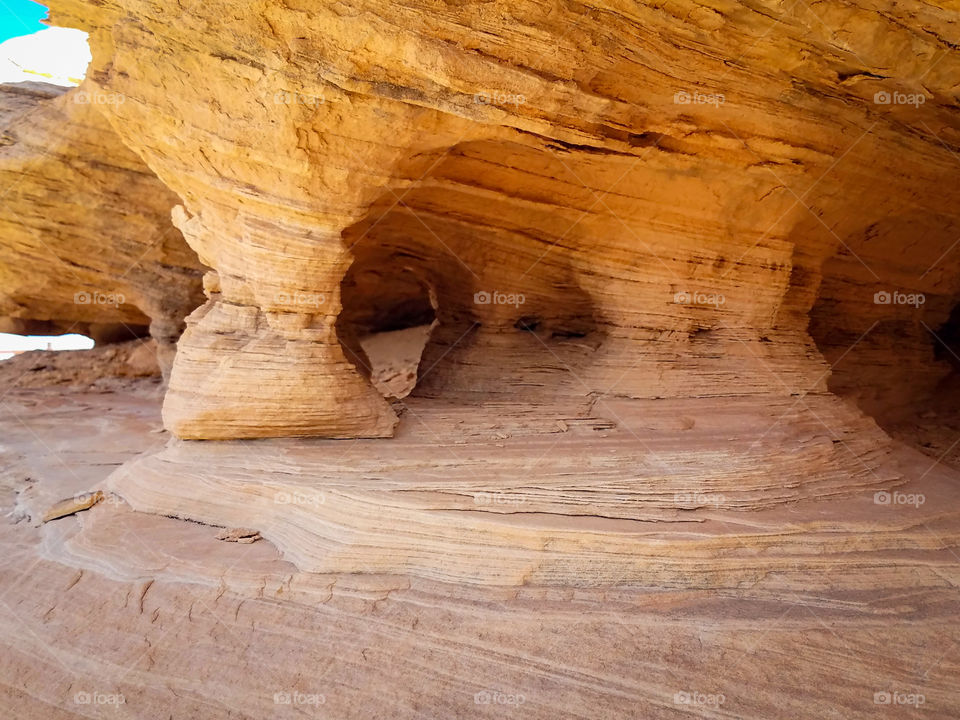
{"x":86,"y":240}
{"x":668,"y":261}
{"x":595,"y":161}
{"x":811,"y":610}
{"x":593,"y":238}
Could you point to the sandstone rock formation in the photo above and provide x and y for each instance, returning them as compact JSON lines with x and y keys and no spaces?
{"x":445,"y":154}
{"x":86,"y":242}
{"x":810,"y":609}
{"x":682,"y":437}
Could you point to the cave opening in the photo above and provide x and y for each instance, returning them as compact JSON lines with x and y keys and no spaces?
{"x":478,"y":273}
{"x":946,"y":341}
{"x":889,"y":330}
{"x":13,"y":344}
{"x":389,"y":312}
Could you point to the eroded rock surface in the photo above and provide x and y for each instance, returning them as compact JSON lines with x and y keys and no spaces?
{"x":682,"y":270}
{"x":363,"y":162}
{"x":806,"y":611}
{"x":86,"y":240}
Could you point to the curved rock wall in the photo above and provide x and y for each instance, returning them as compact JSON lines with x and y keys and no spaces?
{"x":658,"y":247}
{"x":88,"y":245}
{"x":884,"y":300}
{"x":665,"y":212}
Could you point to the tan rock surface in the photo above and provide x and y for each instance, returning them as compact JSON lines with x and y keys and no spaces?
{"x":86,"y":241}
{"x":457,"y":150}
{"x":810,"y":616}
{"x":680,"y":442}
{"x":110,"y":367}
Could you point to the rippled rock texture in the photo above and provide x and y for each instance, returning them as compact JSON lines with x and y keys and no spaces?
{"x":590,"y":199}
{"x":685,"y":279}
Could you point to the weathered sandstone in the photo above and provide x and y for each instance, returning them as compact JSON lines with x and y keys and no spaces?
{"x":684,"y":424}
{"x":438,"y":153}
{"x":86,"y":241}
{"x":806,"y":610}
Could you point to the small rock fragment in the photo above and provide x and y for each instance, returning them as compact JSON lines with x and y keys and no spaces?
{"x":238,"y":535}
{"x":73,"y":505}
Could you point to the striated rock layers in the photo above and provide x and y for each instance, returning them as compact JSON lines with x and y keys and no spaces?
{"x":591,"y":200}
{"x":647,"y":244}
{"x":807,"y":609}
{"x":682,"y":272}
{"x":86,"y":242}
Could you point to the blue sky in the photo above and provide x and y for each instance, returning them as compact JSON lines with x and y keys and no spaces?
{"x":20,"y":17}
